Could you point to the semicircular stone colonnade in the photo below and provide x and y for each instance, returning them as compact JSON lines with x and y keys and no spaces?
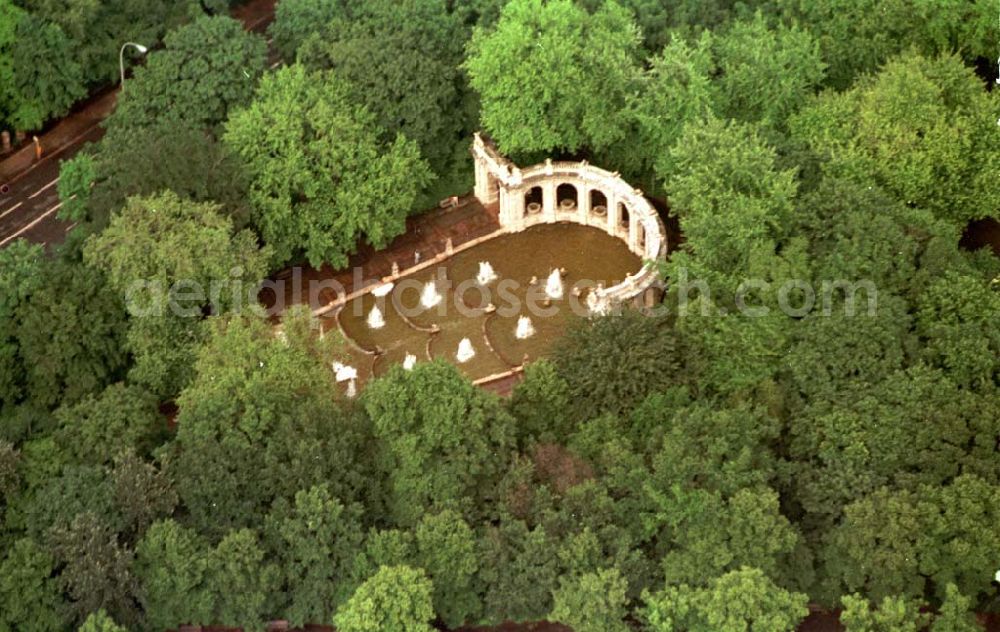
{"x":581,"y":193}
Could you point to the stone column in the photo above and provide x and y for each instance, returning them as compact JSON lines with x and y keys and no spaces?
{"x":612,"y":203}
{"x":485,"y":189}
{"x":583,"y":202}
{"x":515,"y":207}
{"x":504,"y":215}
{"x":549,"y":201}
{"x":633,"y":232}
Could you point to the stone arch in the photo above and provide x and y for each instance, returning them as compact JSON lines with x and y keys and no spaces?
{"x":533,"y":201}
{"x":598,"y":202}
{"x":567,"y":197}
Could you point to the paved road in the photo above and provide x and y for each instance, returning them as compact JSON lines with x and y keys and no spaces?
{"x":29,"y":209}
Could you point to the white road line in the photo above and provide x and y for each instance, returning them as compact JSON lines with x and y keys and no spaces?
{"x":275,"y":64}
{"x":31,"y":225}
{"x":70,"y":227}
{"x":10,"y":210}
{"x":39,"y":191}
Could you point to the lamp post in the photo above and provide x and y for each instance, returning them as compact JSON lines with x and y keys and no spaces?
{"x":121,"y":57}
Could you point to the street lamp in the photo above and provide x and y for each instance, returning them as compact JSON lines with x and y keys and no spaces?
{"x":121,"y":57}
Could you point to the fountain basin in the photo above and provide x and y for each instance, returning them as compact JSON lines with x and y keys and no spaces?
{"x":588,"y":254}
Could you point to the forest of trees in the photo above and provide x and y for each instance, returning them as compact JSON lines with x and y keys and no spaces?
{"x":674,"y":471}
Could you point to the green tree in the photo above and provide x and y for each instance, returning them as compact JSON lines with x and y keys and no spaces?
{"x":10,"y":478}
{"x":553,"y":77}
{"x":892,"y":614}
{"x":205,"y":69}
{"x":47,"y":75}
{"x":10,"y":17}
{"x":120,"y":419}
{"x":709,"y":446}
{"x":443,"y":440}
{"x":906,"y":543}
{"x":676,"y":90}
{"x":321,"y":178}
{"x":766,"y":72}
{"x":142,"y":493}
{"x":171,"y":566}
{"x":445,"y":548}
{"x":917,"y":129}
{"x":97,"y":29}
{"x":395,"y":599}
{"x":858,"y":36}
{"x":29,"y":597}
{"x":612,"y":363}
{"x":914,"y":427}
{"x":76,"y":177}
{"x":860,"y":233}
{"x":238,"y":581}
{"x":189,"y":162}
{"x":864,"y":343}
{"x":955,"y":613}
{"x":743,"y":600}
{"x":296,"y":20}
{"x":401,"y":60}
{"x":441,"y":545}
{"x":519,"y":567}
{"x":542,"y":402}
{"x":706,"y":534}
{"x":96,"y":569}
{"x":314,"y":542}
{"x":261,"y":420}
{"x":594,"y":602}
{"x":100,"y":622}
{"x":58,"y":498}
{"x":70,"y":335}
{"x":959,"y":316}
{"x":21,"y":272}
{"x":729,"y":195}
{"x":173,"y":259}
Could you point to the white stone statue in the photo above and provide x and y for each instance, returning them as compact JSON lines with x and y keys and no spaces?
{"x":430,"y":297}
{"x":554,"y":286}
{"x":465,"y":351}
{"x":524,"y":328}
{"x":375,"y":318}
{"x":409,"y":361}
{"x":486,"y":273}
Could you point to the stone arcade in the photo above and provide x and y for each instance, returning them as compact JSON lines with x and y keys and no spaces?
{"x":581,"y":193}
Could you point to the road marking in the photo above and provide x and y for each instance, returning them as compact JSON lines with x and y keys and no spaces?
{"x":11,"y":210}
{"x":31,"y":225}
{"x":70,"y":227}
{"x":275,"y":64}
{"x":39,"y":191}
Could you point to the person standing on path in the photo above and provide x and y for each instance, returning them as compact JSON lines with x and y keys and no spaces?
{"x":38,"y":147}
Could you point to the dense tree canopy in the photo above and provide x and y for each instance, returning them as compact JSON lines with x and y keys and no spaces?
{"x":395,"y":598}
{"x":554,"y":77}
{"x":401,"y":60}
{"x":205,"y":69}
{"x":321,"y":178}
{"x":808,"y":417}
{"x":173,"y":260}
